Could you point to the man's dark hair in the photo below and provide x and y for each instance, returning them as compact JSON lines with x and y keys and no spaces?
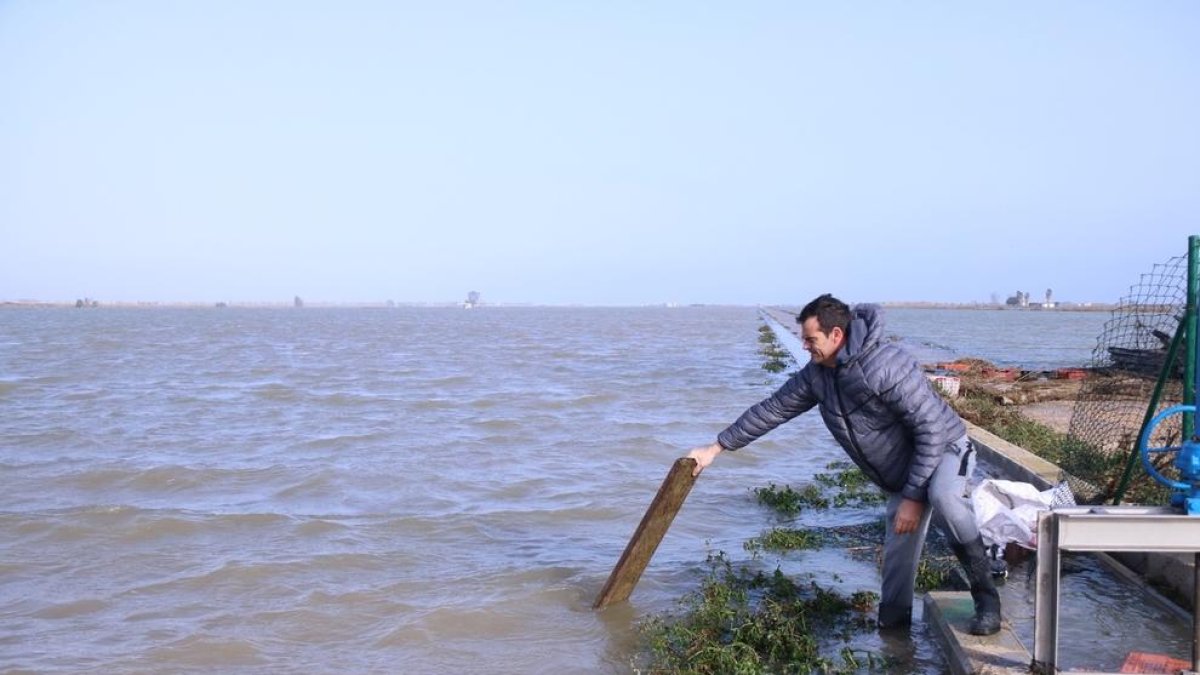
{"x":829,"y":311}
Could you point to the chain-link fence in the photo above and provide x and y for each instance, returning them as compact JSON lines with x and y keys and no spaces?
{"x":1112,"y":406}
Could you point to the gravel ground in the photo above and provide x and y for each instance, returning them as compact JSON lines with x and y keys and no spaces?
{"x":1054,"y":414}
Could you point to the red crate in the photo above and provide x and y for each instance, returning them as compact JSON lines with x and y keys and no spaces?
{"x":1144,"y":662}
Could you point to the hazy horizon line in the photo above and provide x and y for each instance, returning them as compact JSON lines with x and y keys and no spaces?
{"x":90,"y":303}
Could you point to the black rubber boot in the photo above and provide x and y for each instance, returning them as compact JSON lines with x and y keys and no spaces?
{"x":973,"y":556}
{"x":891,"y":616}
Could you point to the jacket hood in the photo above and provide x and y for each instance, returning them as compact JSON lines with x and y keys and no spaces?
{"x":866,"y":330}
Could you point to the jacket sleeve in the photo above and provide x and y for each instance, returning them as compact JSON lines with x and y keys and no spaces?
{"x":793,"y":398}
{"x":927,"y":419}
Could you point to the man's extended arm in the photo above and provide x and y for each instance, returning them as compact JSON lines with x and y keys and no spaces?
{"x":793,"y":398}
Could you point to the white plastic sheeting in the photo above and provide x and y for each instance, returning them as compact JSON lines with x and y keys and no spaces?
{"x":1007,"y":511}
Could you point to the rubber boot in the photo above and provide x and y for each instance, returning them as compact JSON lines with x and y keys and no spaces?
{"x":973,"y":556}
{"x":892,"y":616}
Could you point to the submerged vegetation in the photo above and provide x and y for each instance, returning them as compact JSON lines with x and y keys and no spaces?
{"x":788,"y":502}
{"x":740,"y":621}
{"x":744,"y":620}
{"x":782,"y":539}
{"x":848,"y":486}
{"x":776,"y":359}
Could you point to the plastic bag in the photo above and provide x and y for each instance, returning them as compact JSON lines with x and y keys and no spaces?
{"x":1007,"y":511}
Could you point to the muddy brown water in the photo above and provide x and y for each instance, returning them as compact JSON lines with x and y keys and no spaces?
{"x":377,"y":490}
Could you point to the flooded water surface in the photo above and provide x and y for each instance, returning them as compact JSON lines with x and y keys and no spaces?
{"x":390,"y":490}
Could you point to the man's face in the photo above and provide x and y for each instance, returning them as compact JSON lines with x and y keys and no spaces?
{"x":821,"y":347}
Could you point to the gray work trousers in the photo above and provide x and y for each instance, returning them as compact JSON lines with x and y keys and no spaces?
{"x":948,"y":496}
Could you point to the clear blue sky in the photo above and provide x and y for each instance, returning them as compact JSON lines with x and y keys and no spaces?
{"x":594,"y":152}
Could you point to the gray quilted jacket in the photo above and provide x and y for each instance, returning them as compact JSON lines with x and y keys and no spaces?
{"x":877,"y":403}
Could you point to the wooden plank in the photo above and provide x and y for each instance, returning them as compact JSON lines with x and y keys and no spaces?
{"x":674,"y":489}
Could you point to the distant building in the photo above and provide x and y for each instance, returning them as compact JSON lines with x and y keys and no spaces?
{"x":1019,"y":299}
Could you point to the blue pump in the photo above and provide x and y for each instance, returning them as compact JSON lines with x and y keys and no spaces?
{"x":1186,"y":491}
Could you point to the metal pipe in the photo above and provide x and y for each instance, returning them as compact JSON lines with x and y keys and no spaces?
{"x":1196,"y":613}
{"x":1193,"y":321}
{"x":1047,"y":595}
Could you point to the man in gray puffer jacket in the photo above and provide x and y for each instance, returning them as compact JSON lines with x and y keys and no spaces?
{"x":883,"y":411}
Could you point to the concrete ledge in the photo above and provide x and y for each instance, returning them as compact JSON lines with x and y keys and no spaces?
{"x":1015,"y":462}
{"x":949,"y":613}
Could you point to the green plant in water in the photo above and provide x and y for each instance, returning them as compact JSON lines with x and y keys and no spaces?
{"x":743,"y":622}
{"x":788,"y":502}
{"x":851,"y":486}
{"x":848,"y":487}
{"x":774,"y":366}
{"x":777,"y":358}
{"x":785,"y":539}
{"x":774,"y":352}
{"x":935,"y":573}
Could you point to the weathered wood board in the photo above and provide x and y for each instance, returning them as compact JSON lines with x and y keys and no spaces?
{"x":674,"y":489}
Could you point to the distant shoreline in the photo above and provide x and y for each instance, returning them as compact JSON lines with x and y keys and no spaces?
{"x":1058,"y":307}
{"x":1064,"y":307}
{"x":35,"y":304}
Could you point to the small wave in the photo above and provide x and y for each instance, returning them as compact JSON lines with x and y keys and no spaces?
{"x":55,"y":439}
{"x":318,"y":483}
{"x":277,"y":392}
{"x":346,"y":561}
{"x":229,"y":575}
{"x":162,"y":528}
{"x":74,"y":608}
{"x":578,"y":402}
{"x":345,"y":400}
{"x":82,"y":395}
{"x":497,"y":425}
{"x":449,"y":381}
{"x":206,"y":651}
{"x":251,"y":520}
{"x":139,"y":523}
{"x":173,"y":478}
{"x":320,"y":528}
{"x":108,"y":479}
{"x":341,"y":441}
{"x":49,"y":379}
{"x":434,"y":404}
{"x":169,"y":479}
{"x":486,"y":402}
